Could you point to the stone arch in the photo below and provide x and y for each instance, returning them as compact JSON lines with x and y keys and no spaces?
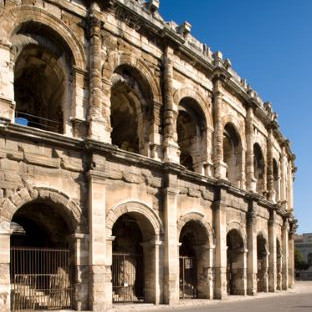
{"x":230,"y":119}
{"x":27,"y":195}
{"x":186,"y":92}
{"x":236,"y":225}
{"x":197,"y":217}
{"x":33,"y":14}
{"x":118,"y":59}
{"x":133,"y":206}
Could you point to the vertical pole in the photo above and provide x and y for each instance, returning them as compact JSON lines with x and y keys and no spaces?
{"x":272,"y":256}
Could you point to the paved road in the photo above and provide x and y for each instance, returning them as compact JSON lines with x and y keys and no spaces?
{"x":286,"y":303}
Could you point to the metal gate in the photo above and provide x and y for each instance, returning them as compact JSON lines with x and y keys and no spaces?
{"x":40,"y":279}
{"x":128,"y":277}
{"x":188,"y":277}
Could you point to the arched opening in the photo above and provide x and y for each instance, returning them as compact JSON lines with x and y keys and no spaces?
{"x":191,"y":131}
{"x":232,"y":154}
{"x":259,"y":168}
{"x":133,"y":265}
{"x":235,"y":263}
{"x":131,"y":106}
{"x":276,"y":179}
{"x":262,"y":268}
{"x":41,"y":265}
{"x":194,"y":261}
{"x":42,"y":79}
{"x":279,"y":263}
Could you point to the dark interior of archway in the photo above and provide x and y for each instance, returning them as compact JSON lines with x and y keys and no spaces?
{"x":39,"y":87}
{"x":261,"y":250}
{"x":230,"y":151}
{"x":39,"y":225}
{"x":234,"y":244}
{"x":130,"y":96}
{"x":192,"y":234}
{"x":190,"y":125}
{"x":128,"y":236}
{"x":259,"y":167}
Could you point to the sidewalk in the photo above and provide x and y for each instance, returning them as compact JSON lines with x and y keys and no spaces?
{"x":301,"y":287}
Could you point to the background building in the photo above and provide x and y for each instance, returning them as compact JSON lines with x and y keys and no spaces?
{"x":135,"y":164}
{"x":303,"y":244}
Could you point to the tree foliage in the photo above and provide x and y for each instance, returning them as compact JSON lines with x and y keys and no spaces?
{"x":300,"y":264}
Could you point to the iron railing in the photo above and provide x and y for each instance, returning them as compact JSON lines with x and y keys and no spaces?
{"x":40,"y":279}
{"x":188,"y":277}
{"x":128,"y":277}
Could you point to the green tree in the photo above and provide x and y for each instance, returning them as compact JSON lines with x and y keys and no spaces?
{"x":300,"y":264}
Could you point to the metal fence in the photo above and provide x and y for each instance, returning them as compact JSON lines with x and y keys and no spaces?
{"x":128,"y":277}
{"x":40,"y":279}
{"x":188,"y":278}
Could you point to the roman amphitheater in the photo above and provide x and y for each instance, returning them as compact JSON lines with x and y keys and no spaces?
{"x":135,"y":164}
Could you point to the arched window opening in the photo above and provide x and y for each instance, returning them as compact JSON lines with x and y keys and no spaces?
{"x":232,"y":154}
{"x":42,"y":79}
{"x":259,"y":169}
{"x":191,"y":127}
{"x":41,"y":265}
{"x":194,"y":260}
{"x":276,"y":178}
{"x":262,"y":271}
{"x":131,"y":106}
{"x":235,"y":263}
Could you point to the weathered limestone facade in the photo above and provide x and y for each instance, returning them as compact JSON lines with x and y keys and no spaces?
{"x":122,"y":134}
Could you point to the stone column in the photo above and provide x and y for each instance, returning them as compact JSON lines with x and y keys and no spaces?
{"x":171,"y":253}
{"x":78,"y":112}
{"x":291,"y":261}
{"x":153,"y":277}
{"x":252,"y":260}
{"x":220,"y":167}
{"x":290,"y":186}
{"x":208,"y":164}
{"x":81,"y":262}
{"x":99,"y":124}
{"x":7,"y":103}
{"x":285,"y":251}
{"x":155,"y":149}
{"x":5,"y":284}
{"x":283,"y":194}
{"x":271,"y":189}
{"x":100,"y":295}
{"x":171,"y":148}
{"x":250,"y":176}
{"x":220,"y":251}
{"x":272,"y":256}
{"x":242,"y":183}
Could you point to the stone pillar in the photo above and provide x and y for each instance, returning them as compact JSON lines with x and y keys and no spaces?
{"x":81,"y":262}
{"x":99,"y":123}
{"x":242,"y":183}
{"x":291,"y":260}
{"x":250,"y":176}
{"x":155,"y":149}
{"x":7,"y":103}
{"x":5,"y":285}
{"x":153,"y":274}
{"x":208,"y":165}
{"x":100,"y":295}
{"x":272,"y":256}
{"x":220,"y":252}
{"x":290,"y":186}
{"x":252,"y":260}
{"x":171,"y":148}
{"x":220,"y":168}
{"x":171,"y":253}
{"x":271,"y":189}
{"x":283,"y":195}
{"x":78,"y":112}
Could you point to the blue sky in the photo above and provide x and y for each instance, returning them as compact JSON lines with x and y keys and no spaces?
{"x":269,"y":42}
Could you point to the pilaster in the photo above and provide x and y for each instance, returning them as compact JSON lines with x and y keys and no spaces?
{"x":272,"y":248}
{"x":250,"y":176}
{"x":5,"y":285}
{"x":220,"y":251}
{"x":99,"y":123}
{"x":171,"y":254}
{"x":252,"y":249}
{"x":291,"y":261}
{"x":100,"y":276}
{"x":171,"y":148}
{"x":270,"y":177}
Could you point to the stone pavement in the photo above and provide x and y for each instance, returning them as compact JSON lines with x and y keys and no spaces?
{"x":301,"y":287}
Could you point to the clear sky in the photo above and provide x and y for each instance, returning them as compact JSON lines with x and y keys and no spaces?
{"x":269,"y":43}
